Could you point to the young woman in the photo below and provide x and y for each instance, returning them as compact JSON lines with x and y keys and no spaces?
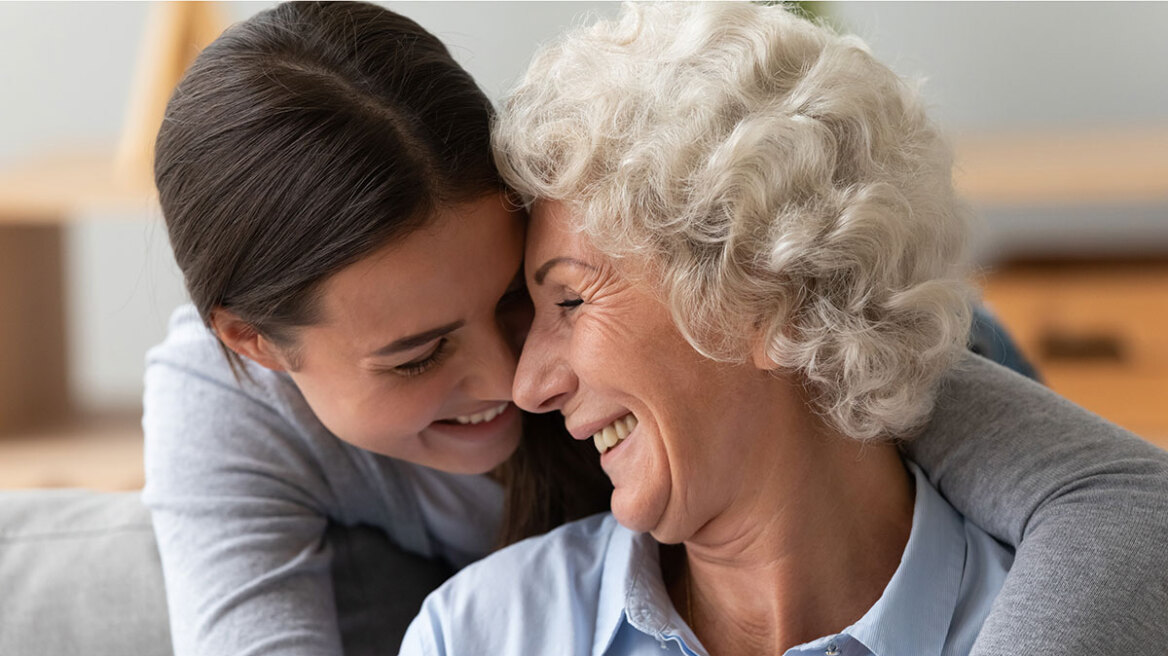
{"x":355,"y":269}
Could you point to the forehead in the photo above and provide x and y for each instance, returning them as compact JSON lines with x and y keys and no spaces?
{"x":551,"y":233}
{"x":429,"y":276}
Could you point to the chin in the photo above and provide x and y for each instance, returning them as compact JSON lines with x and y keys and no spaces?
{"x":640,"y":515}
{"x":482,"y":463}
{"x":668,"y":535}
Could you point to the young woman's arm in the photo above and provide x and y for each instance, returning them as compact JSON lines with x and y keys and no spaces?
{"x":1084,"y":502}
{"x":240,"y":523}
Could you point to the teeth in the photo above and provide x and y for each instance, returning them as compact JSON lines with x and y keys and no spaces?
{"x":622,"y":428}
{"x":483,"y":416}
{"x":613,"y":433}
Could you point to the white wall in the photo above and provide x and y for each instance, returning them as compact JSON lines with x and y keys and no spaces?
{"x":1011,"y":65}
{"x":65,"y":72}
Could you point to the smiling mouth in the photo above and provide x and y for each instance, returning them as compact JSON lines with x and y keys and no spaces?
{"x":612,"y":434}
{"x":480,"y":418}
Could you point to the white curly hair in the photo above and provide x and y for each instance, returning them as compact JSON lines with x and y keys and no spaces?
{"x":781,"y":182}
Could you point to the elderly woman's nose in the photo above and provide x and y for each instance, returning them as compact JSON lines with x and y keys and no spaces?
{"x":543,"y":381}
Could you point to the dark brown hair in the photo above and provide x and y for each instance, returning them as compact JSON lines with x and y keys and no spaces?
{"x":550,"y":479}
{"x":305,"y":138}
{"x":302,"y":140}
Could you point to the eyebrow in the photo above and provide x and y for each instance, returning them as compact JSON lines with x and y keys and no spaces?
{"x":418,"y":339}
{"x":542,"y":272}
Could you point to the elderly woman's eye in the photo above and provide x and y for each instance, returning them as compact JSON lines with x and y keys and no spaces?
{"x":570,"y":303}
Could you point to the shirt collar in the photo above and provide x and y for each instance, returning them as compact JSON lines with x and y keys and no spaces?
{"x":915,"y":611}
{"x":611,"y":609}
{"x":911,"y":617}
{"x":633,"y":590}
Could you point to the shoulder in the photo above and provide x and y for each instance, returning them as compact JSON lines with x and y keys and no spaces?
{"x":987,"y":562}
{"x":534,"y":594}
{"x":192,"y":356}
{"x":573,"y":552}
{"x":209,"y":434}
{"x":1001,"y":402}
{"x":193,"y":400}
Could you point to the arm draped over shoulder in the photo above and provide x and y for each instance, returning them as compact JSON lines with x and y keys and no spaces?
{"x":1084,"y":502}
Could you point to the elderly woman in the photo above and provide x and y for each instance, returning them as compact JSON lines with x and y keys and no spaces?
{"x":743,"y":254}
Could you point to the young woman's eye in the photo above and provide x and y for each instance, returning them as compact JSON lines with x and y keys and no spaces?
{"x":424,"y":363}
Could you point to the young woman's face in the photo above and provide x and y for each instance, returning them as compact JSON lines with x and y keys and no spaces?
{"x":417,"y":346}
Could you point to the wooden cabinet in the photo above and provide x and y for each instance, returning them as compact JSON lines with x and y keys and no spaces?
{"x":1098,"y":333}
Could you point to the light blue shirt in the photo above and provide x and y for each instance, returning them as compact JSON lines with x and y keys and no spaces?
{"x":594,"y":588}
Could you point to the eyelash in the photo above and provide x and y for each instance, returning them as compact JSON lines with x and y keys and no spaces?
{"x":571,"y":303}
{"x":421,"y":366}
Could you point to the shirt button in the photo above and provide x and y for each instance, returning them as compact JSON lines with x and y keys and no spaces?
{"x":832,"y":650}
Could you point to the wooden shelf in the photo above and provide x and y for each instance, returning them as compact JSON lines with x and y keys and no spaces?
{"x":58,"y":188}
{"x":1118,"y":165}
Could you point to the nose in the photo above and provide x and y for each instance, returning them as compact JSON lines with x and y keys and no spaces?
{"x":544,"y":380}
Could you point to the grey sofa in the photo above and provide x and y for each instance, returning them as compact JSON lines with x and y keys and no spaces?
{"x":80,"y":575}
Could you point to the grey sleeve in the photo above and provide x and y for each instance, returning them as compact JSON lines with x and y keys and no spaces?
{"x":240,"y":516}
{"x":1084,"y":502}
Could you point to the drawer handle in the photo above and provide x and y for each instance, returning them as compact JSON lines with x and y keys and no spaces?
{"x":1097,"y":347}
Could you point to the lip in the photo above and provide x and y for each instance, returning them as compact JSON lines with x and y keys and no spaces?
{"x":480,"y":431}
{"x":586,"y":431}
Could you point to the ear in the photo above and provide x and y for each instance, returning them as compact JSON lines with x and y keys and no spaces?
{"x":242,"y":338}
{"x":758,"y":351}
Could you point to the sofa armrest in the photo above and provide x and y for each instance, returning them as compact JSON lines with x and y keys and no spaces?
{"x":80,"y":574}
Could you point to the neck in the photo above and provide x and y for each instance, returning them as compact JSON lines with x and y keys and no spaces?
{"x":834,"y":528}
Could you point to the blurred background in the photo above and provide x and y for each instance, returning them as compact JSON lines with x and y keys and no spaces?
{"x":1058,"y":111}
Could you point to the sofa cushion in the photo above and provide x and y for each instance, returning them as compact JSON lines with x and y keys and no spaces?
{"x":80,"y":574}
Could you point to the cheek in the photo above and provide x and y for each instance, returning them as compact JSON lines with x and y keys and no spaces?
{"x":374,"y":414}
{"x":609,"y":352}
{"x":678,"y":396}
{"x":404,"y":410}
{"x":643,"y":486}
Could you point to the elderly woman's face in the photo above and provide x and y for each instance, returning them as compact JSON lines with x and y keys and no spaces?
{"x":604,"y":351}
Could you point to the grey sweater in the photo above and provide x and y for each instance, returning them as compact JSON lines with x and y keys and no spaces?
{"x":242,"y":481}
